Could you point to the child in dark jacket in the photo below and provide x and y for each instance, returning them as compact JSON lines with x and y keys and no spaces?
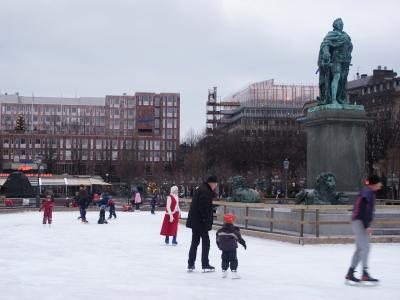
{"x":102,"y":217}
{"x":111,"y":205}
{"x":227,"y":238}
{"x":47,"y":206}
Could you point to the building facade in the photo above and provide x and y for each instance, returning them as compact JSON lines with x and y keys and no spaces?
{"x":265,"y":106}
{"x":380,"y":95}
{"x":90,"y":135}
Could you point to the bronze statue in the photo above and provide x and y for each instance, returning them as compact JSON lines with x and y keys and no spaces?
{"x":324,"y":192}
{"x":333,"y":65}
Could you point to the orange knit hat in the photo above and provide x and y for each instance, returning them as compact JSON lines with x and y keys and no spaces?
{"x":229,"y":218}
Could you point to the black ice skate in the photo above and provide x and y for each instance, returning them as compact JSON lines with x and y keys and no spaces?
{"x":366,"y":278}
{"x":208,"y":268}
{"x":191,"y":268}
{"x":350,"y":278}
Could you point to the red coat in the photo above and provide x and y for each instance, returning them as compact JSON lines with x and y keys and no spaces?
{"x":47,"y":206}
{"x":168,"y":228}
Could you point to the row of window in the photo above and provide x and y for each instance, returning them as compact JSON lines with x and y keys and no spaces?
{"x":93,"y":155}
{"x":85,"y":143}
{"x":144,"y":100}
{"x":380,"y":87}
{"x":58,"y":110}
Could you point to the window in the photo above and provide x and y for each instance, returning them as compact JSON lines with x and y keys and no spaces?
{"x":116,"y":101}
{"x":156,"y":145}
{"x":131,"y":102}
{"x":146,"y":100}
{"x":156,"y":101}
{"x":141,"y":144}
{"x":128,"y":144}
{"x":116,"y":123}
{"x":116,"y":112}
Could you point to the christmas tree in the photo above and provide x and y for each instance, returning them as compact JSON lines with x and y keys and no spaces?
{"x":20,"y":123}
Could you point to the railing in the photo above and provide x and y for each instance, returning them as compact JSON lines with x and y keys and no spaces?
{"x":302,"y":209}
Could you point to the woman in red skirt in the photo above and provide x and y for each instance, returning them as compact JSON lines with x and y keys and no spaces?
{"x":172,"y":213}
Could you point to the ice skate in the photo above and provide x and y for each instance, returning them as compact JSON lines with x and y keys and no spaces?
{"x":350,"y":278}
{"x":224,"y":274}
{"x":191,"y":268}
{"x":366,"y":279}
{"x":208,"y":268}
{"x":234,"y":275}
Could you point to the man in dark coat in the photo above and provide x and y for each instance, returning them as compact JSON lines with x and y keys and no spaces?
{"x":200,"y":220}
{"x":83,"y":202}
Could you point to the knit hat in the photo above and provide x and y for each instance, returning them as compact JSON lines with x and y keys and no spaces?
{"x":212,"y":178}
{"x":229,"y":218}
{"x":373,"y":179}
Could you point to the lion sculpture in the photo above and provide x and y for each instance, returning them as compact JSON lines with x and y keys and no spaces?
{"x":324,"y":192}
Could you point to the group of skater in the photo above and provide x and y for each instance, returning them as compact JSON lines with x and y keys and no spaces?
{"x":200,"y":221}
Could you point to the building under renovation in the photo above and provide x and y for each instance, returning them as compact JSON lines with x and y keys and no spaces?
{"x":259,"y":106}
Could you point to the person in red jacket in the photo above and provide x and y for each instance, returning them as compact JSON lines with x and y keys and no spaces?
{"x":47,"y":206}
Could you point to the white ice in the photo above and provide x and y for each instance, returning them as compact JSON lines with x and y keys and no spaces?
{"x":127,"y":259}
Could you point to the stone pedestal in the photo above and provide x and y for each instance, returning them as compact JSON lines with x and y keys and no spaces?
{"x":336,"y":143}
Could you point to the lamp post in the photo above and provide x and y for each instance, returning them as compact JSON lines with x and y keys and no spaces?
{"x":39,"y":164}
{"x":286,"y":167}
{"x":107,"y":177}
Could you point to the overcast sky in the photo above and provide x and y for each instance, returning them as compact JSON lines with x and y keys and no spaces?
{"x":101,"y":47}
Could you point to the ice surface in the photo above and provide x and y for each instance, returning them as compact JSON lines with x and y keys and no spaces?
{"x":127,"y":259}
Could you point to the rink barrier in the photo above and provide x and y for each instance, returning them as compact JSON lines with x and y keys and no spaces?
{"x":302,"y":209}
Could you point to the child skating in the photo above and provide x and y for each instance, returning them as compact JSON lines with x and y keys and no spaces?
{"x":111,"y":205}
{"x":47,"y":206}
{"x":227,"y":240}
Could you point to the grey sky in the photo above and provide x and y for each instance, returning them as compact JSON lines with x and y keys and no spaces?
{"x":100,"y":47}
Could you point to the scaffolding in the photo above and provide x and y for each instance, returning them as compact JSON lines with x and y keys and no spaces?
{"x":217,"y":110}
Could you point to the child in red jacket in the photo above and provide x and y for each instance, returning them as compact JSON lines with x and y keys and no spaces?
{"x":47,"y":206}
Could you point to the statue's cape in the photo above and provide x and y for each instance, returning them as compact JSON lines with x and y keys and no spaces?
{"x":333,"y":39}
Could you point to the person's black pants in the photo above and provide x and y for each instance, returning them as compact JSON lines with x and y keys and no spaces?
{"x":229,"y":258}
{"x":82,"y":211}
{"x":205,"y":247}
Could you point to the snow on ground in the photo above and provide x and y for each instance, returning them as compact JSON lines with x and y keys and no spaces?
{"x":127,"y":259}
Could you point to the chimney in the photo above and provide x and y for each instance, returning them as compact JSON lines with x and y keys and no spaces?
{"x":379,"y":67}
{"x":385,"y":68}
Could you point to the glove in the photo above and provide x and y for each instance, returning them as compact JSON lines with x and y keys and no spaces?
{"x":171,"y":218}
{"x":244,"y":246}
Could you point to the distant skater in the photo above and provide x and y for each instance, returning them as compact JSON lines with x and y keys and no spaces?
{"x":171,"y":218}
{"x":362,"y":216}
{"x":47,"y":207}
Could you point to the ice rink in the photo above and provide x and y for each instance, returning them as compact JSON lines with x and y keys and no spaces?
{"x":127,"y":259}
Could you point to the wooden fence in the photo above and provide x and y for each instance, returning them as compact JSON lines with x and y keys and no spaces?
{"x":302,"y":209}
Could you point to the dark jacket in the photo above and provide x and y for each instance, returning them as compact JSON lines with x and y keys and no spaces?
{"x":228,"y":236}
{"x":200,"y":215}
{"x":83,"y":198}
{"x":364,"y":207}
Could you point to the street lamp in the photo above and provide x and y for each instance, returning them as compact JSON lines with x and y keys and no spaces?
{"x":38,"y":162}
{"x":286,"y":167}
{"x":107,"y":177}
